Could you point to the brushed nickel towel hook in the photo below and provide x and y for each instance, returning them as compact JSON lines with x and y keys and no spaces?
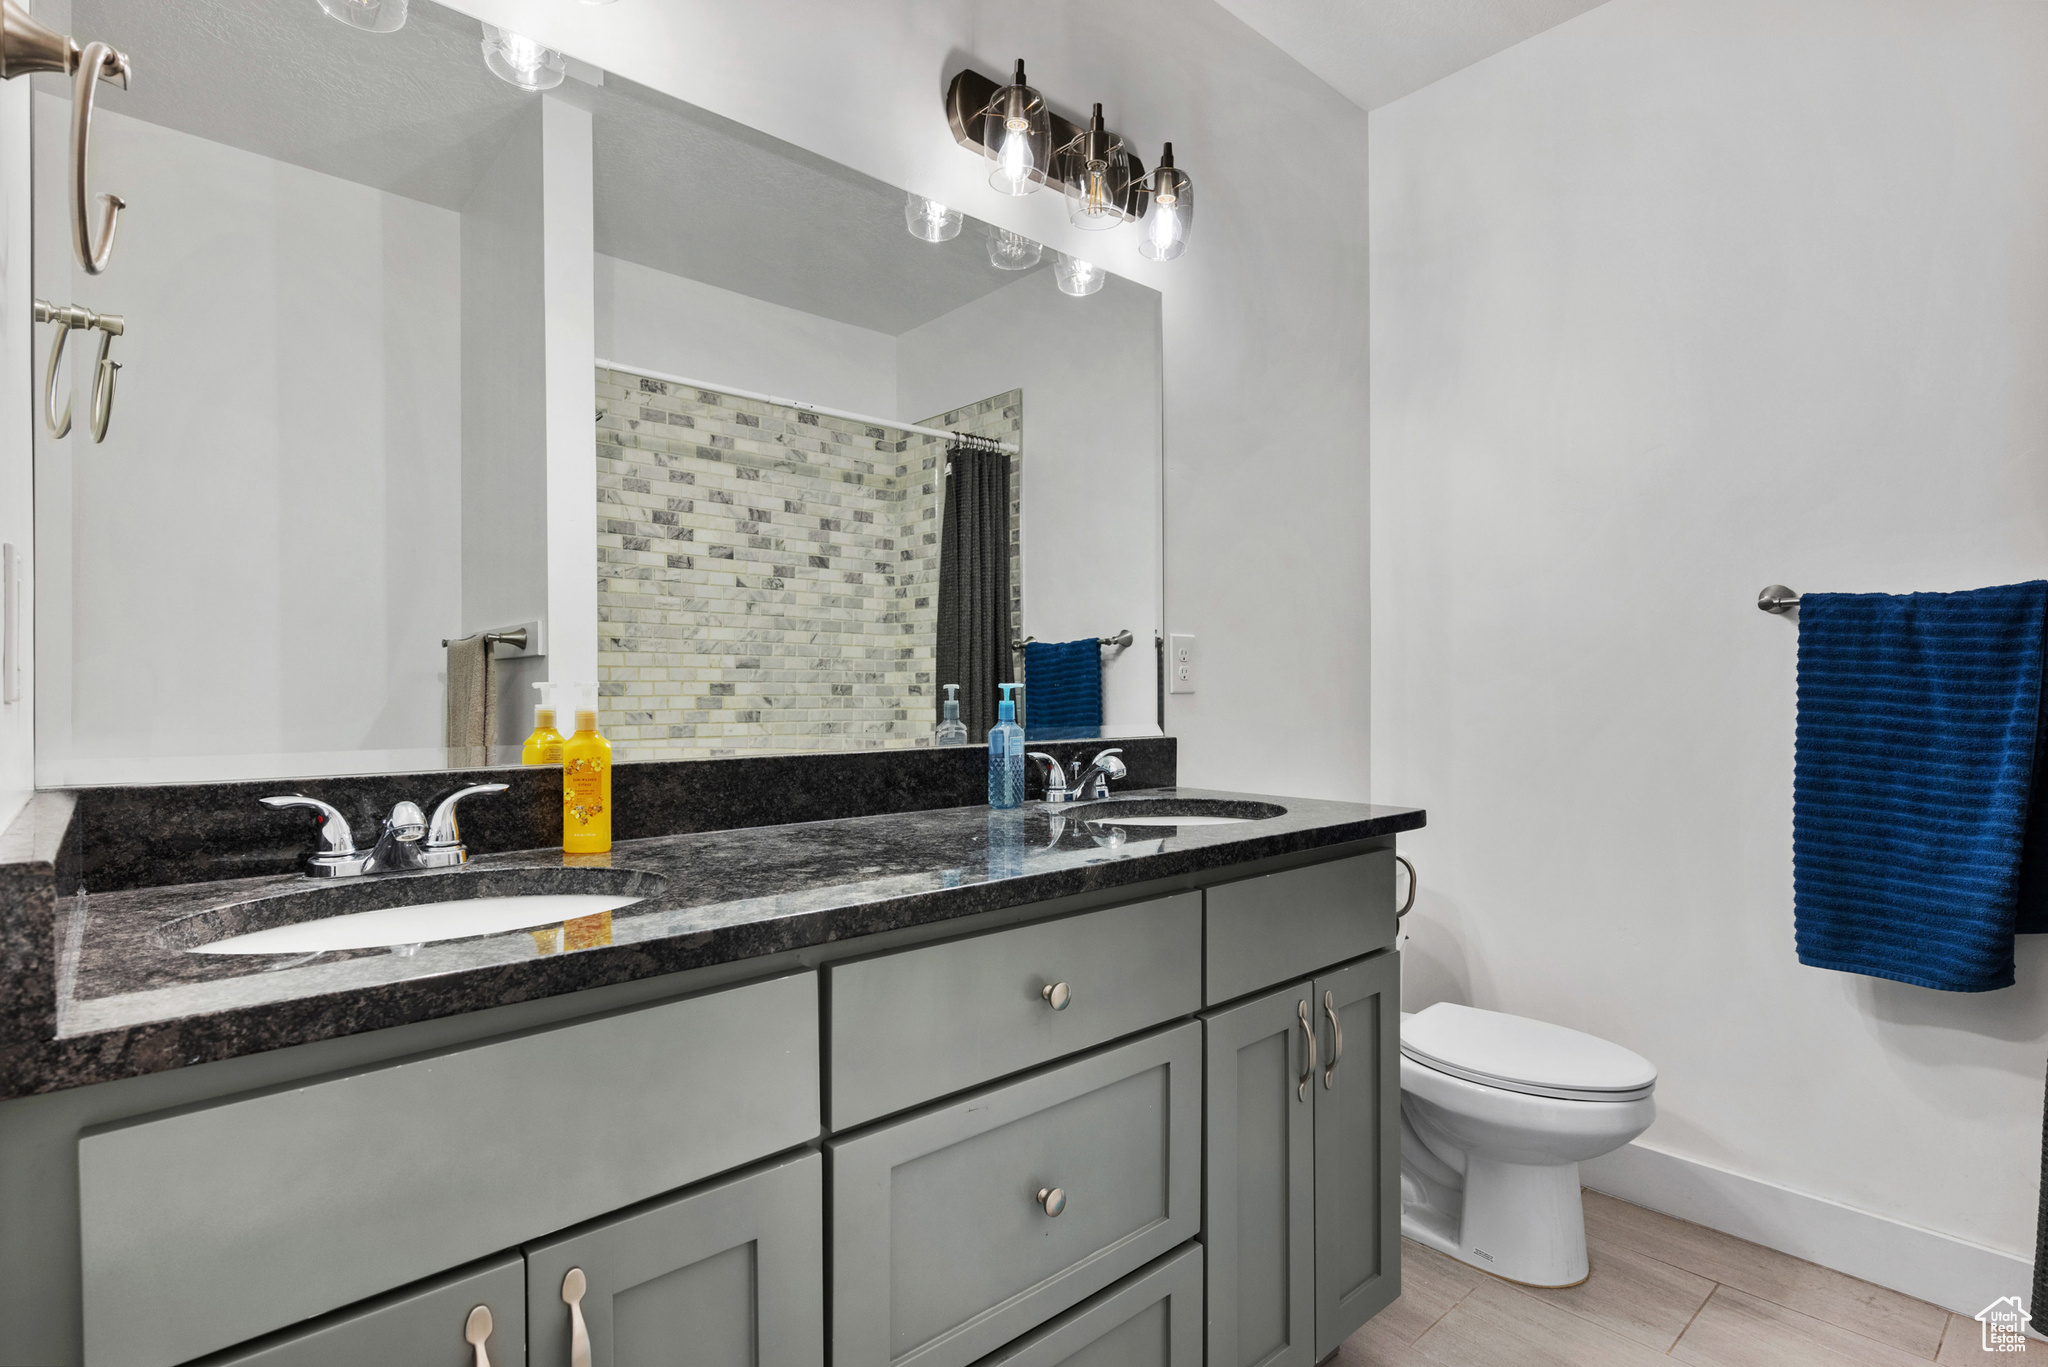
{"x":27,"y":47}
{"x":105,"y":370}
{"x":1777,"y":598}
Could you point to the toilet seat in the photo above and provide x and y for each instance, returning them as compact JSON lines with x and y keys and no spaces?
{"x":1520,"y":1055}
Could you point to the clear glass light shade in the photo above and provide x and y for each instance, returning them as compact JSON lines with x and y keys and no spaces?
{"x":1169,"y":214}
{"x":1075,"y":276}
{"x":1098,"y":179}
{"x":931,"y":221}
{"x":516,"y":58}
{"x":1008,"y":251}
{"x":372,"y":16}
{"x":1016,"y":135}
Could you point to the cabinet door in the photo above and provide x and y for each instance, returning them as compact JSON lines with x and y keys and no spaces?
{"x":1259,"y":1188}
{"x":1358,"y":1146}
{"x":1152,"y":1318}
{"x":421,"y":1326}
{"x":729,"y":1276}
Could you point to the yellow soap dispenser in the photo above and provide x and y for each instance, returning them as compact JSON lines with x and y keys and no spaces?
{"x":544,"y":746}
{"x":586,"y":782}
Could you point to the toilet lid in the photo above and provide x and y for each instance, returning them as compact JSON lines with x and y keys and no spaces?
{"x":1522,"y":1055}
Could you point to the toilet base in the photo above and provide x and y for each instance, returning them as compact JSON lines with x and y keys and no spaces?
{"x":1524,"y":1224}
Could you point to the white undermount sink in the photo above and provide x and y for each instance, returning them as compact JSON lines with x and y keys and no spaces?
{"x":422,"y":924}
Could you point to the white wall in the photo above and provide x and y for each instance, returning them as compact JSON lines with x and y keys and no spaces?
{"x":17,"y":438}
{"x":1264,"y":318}
{"x":1683,"y":298}
{"x":1090,"y":533}
{"x":658,"y":321}
{"x":301,"y":541}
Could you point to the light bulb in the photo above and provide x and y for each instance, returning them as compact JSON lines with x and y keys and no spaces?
{"x":372,"y":16}
{"x":1100,"y":177}
{"x":929,"y":220}
{"x":520,"y":60}
{"x":1075,"y":276}
{"x":1169,"y":213}
{"x":1008,"y":251}
{"x":1016,"y":134}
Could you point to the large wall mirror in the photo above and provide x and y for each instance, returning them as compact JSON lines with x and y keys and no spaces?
{"x":676,"y":410}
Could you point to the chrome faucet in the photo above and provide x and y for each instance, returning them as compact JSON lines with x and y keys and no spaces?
{"x":1090,"y":783}
{"x":408,"y":841}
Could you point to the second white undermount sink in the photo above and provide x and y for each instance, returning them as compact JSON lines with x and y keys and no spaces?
{"x":421,"y":924}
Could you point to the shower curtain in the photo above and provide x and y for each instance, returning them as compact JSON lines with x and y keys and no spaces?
{"x":974,"y":585}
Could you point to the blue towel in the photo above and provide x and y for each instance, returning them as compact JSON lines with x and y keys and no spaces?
{"x":1063,"y":690}
{"x":1919,"y":717}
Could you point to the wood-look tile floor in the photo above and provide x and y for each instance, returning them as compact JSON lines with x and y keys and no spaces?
{"x":1662,"y":1290}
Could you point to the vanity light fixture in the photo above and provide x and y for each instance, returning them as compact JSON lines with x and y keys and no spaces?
{"x":371,"y":16}
{"x":1008,"y":251}
{"x":1097,"y":176}
{"x":518,"y":59}
{"x":1075,"y":276}
{"x":929,"y":220}
{"x":1169,"y":214}
{"x":1016,"y":134}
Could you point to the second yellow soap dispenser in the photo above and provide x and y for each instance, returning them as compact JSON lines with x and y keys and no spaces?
{"x":586,"y":781}
{"x":544,"y":746}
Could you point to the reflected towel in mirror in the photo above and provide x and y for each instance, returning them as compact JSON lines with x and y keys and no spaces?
{"x":472,"y":703}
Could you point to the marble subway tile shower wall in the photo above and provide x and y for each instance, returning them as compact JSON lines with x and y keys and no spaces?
{"x":768,"y":576}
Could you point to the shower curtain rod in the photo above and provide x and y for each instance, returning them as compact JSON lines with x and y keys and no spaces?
{"x":777,"y":399}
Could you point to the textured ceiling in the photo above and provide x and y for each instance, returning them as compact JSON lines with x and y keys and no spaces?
{"x":416,"y":113}
{"x":1376,"y":51}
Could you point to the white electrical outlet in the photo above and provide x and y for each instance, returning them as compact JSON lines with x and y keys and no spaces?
{"x":1180,"y":664}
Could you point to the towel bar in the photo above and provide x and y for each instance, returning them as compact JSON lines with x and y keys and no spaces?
{"x":1120,"y":640}
{"x":1777,"y":598}
{"x":525,"y":639}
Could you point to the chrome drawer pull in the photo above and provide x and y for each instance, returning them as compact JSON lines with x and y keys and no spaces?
{"x":1308,"y":1035}
{"x":1337,"y":1044}
{"x":478,"y":1331}
{"x":1057,"y":995}
{"x":1403,"y":861}
{"x":579,"y":1333}
{"x":1053,"y":1199}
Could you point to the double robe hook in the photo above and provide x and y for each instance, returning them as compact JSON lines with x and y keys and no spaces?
{"x":104,"y":371}
{"x":27,"y":47}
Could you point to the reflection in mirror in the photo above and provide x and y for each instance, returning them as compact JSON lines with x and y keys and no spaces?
{"x":849,"y":446}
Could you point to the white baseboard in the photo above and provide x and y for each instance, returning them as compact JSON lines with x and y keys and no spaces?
{"x":1951,"y":1272}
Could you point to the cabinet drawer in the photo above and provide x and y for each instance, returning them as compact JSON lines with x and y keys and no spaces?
{"x":206,"y":1228}
{"x":941,"y":1252}
{"x":1282,"y":926}
{"x":1151,"y":1318}
{"x":420,"y":1326}
{"x":922,"y":1023}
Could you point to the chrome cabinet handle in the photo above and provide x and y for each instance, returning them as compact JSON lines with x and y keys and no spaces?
{"x":573,"y":1287}
{"x":1308,"y":1039}
{"x":478,"y":1331}
{"x":1057,"y":995}
{"x":1337,"y":1041}
{"x":96,"y":61}
{"x":1053,"y":1200}
{"x":1402,"y":860}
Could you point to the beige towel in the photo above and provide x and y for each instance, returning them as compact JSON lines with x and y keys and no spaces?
{"x":472,"y":703}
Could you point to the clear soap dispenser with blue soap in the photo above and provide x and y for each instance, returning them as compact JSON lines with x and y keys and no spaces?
{"x":1006,"y":754}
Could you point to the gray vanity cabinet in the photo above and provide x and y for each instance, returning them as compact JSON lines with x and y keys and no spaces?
{"x":422,"y":1326}
{"x":729,"y":1276}
{"x":1302,"y":1164}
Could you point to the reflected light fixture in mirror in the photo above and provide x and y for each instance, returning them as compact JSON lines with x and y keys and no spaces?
{"x":372,"y":16}
{"x":1075,"y":276}
{"x":1097,"y":177}
{"x":1169,"y":211}
{"x":1008,"y":251}
{"x":931,"y":221}
{"x":1017,"y":136}
{"x":518,"y":59}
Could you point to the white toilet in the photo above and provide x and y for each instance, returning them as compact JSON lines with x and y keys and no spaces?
{"x":1497,"y":1113}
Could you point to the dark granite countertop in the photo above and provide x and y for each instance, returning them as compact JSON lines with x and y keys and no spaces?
{"x":131,"y":996}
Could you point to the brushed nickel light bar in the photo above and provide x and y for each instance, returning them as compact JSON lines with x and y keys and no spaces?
{"x":969,"y":101}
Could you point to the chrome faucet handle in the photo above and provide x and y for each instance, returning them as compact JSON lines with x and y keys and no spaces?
{"x":335,"y":836}
{"x":442,"y":832}
{"x":1104,"y":767}
{"x":1055,"y":776}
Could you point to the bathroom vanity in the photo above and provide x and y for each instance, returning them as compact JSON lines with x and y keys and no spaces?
{"x":938,"y":1087}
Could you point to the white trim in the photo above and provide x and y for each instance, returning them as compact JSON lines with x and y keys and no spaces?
{"x":778,"y":400}
{"x":1952,"y":1273}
